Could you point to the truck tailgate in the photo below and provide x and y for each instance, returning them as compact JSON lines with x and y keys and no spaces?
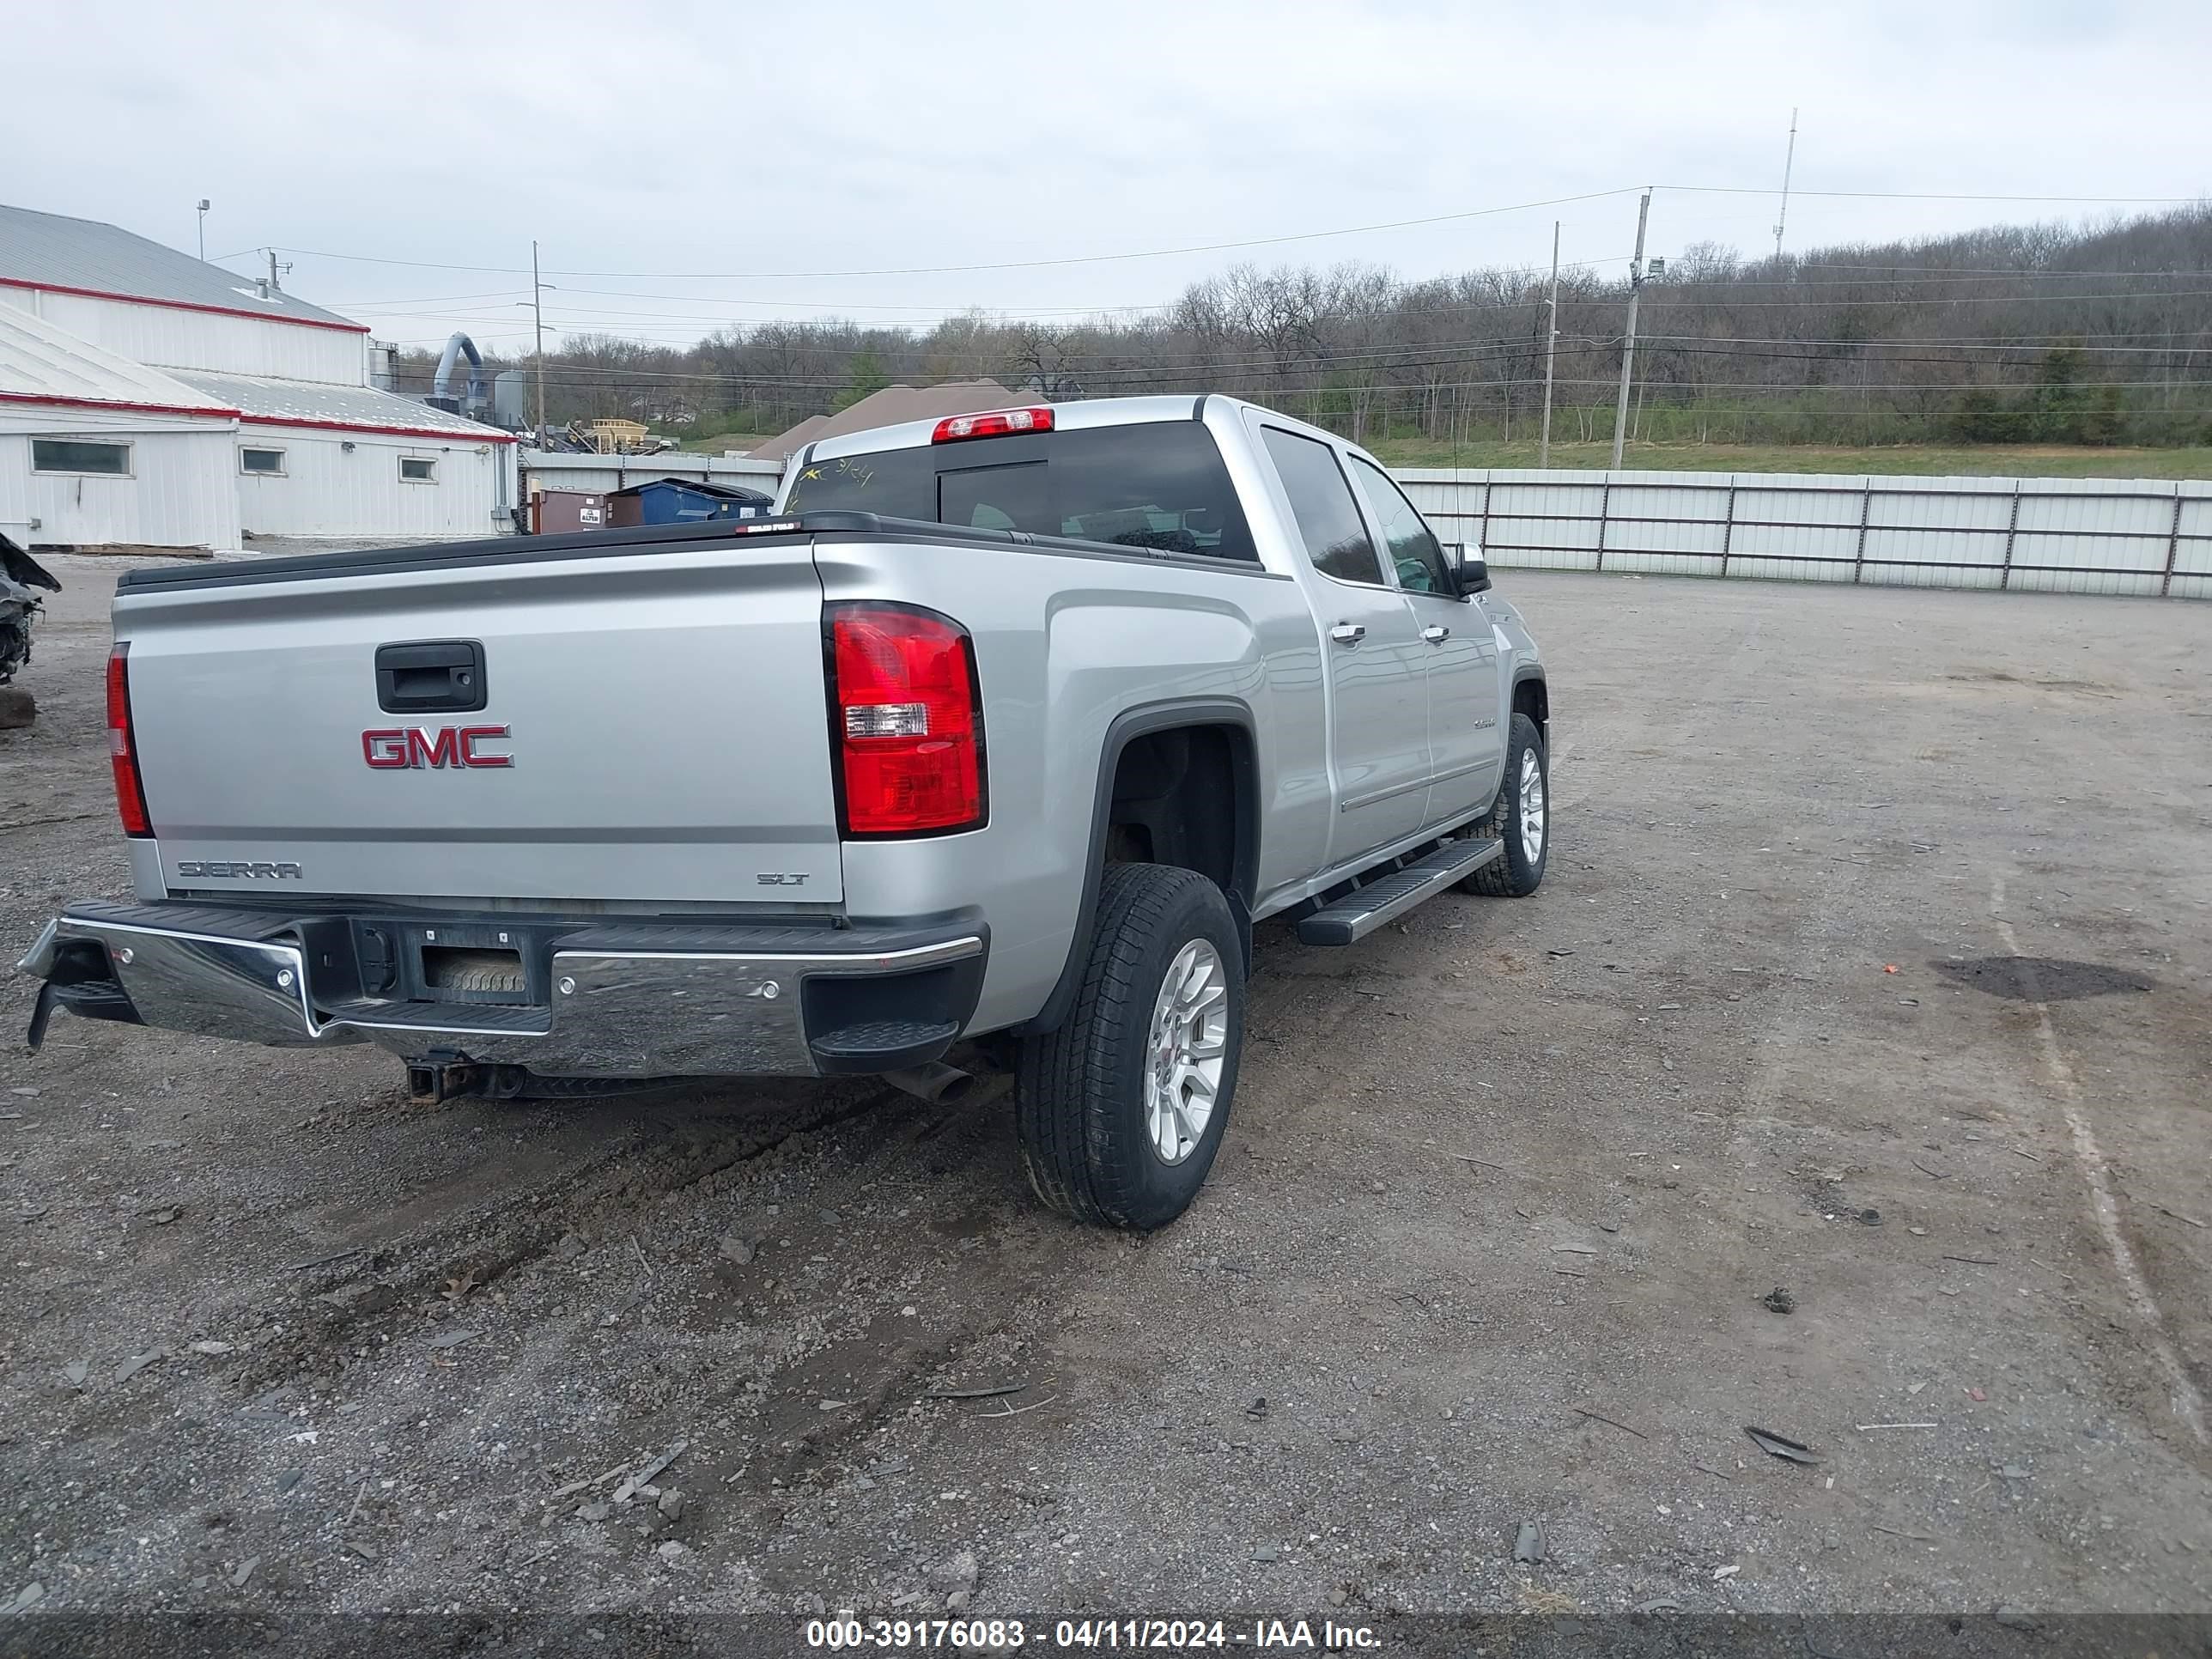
{"x":653,"y":729}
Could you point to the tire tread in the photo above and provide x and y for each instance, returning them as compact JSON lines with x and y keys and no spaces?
{"x":1064,"y":1095}
{"x":1498,"y":878}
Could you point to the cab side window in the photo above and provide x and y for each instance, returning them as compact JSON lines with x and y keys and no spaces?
{"x":1412,"y":547}
{"x":1321,"y":501}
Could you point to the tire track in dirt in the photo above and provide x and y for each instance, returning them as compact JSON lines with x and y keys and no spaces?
{"x":528,"y":1224}
{"x":477,"y":1246}
{"x":2186,"y":1400}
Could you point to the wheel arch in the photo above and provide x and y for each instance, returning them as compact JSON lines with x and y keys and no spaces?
{"x":1531,"y":695}
{"x":1234,"y":722}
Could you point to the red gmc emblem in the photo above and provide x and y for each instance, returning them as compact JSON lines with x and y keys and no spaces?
{"x":448,"y":745}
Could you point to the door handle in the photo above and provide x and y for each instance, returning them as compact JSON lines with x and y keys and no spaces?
{"x":1348,"y":633}
{"x":430,"y":676}
{"x":1436,"y":634}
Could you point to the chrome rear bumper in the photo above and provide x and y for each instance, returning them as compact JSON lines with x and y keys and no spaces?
{"x":642,"y":1001}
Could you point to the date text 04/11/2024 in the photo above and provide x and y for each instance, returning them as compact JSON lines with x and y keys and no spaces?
{"x":1107,"y":1635}
{"x":1263,"y":1634}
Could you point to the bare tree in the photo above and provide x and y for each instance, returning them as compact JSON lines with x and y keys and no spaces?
{"x":1874,"y":342}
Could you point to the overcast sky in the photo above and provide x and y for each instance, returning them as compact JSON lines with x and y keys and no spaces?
{"x":710,"y":164}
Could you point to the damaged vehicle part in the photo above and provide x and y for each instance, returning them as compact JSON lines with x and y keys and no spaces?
{"x":19,"y":605}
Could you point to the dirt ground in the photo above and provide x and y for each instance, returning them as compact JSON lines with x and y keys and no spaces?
{"x":1874,"y":967}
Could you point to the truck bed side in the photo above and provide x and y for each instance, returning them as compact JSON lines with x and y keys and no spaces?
{"x":1068,"y":644}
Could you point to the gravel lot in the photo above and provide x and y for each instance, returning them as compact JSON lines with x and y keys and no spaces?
{"x":1872,"y":965}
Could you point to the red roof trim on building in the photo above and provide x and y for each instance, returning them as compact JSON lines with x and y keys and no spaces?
{"x":488,"y":435}
{"x":210,"y":414}
{"x":182,"y":305}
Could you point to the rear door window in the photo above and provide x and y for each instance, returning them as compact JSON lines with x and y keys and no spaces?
{"x":1160,"y":484}
{"x":1321,"y":501}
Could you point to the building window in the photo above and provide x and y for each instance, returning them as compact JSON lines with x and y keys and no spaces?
{"x":269,"y":462}
{"x":74,"y":455}
{"x":417,"y":469}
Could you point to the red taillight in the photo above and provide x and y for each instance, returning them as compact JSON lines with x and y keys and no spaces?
{"x":905,"y":712}
{"x":130,"y":793}
{"x":991,"y":423}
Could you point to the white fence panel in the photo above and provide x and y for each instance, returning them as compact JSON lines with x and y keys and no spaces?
{"x":1543,"y":527}
{"x":1554,"y":528}
{"x":2083,"y":537}
{"x":2050,"y":535}
{"x":2145,"y":537}
{"x":2190,"y":556}
{"x":1794,"y":528}
{"x":1446,"y":501}
{"x":1656,"y":524}
{"x":1937,"y":533}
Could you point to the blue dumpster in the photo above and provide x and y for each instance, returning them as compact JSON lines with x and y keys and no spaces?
{"x":684,"y":501}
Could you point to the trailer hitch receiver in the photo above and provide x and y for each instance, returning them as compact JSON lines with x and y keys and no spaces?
{"x":446,"y":1074}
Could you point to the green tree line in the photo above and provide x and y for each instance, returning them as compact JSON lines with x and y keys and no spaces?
{"x":2010,"y":334}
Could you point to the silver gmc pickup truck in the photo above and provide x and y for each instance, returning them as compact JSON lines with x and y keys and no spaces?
{"x":1005,"y":728}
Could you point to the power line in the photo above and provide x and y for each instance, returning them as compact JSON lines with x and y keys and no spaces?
{"x":1888,"y":388}
{"x":2045,"y":344}
{"x":1192,"y":372}
{"x":948,"y":308}
{"x":1933,"y":276}
{"x":1254,"y":241}
{"x":1937,"y":196}
{"x":1663,"y":298}
{"x":1923,"y":273}
{"x":426,"y":299}
{"x":1921,"y":276}
{"x":1004,"y":265}
{"x":1987,"y":270}
{"x":1664,"y":295}
{"x":1417,"y":354}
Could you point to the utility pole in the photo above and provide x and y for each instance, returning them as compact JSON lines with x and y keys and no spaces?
{"x":1628,"y":344}
{"x":273,"y":288}
{"x":1550,"y":349}
{"x":1788,"y":160}
{"x":204,"y":205}
{"x":537,"y":310}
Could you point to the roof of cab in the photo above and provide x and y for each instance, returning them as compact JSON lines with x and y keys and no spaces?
{"x":1066,"y":417}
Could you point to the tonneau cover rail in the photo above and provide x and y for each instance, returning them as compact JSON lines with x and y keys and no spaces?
{"x":633,"y":540}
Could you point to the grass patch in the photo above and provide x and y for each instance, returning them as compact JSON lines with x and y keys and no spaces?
{"x":1940,"y":460}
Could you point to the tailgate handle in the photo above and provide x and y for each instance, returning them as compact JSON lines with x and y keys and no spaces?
{"x":430,"y":676}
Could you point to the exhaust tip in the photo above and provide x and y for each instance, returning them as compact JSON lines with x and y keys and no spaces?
{"x":937,"y":1083}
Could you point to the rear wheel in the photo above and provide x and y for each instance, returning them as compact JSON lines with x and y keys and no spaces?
{"x":1520,"y":817}
{"x":1122,"y":1110}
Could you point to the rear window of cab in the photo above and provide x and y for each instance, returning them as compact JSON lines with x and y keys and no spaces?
{"x":1159,"y":485}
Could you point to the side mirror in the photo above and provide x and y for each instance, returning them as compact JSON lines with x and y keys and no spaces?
{"x":1471,"y":570}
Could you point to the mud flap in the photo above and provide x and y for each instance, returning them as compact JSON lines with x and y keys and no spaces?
{"x":41,"y":1011}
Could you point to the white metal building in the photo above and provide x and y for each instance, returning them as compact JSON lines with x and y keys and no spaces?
{"x":603,"y":474}
{"x":147,"y":398}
